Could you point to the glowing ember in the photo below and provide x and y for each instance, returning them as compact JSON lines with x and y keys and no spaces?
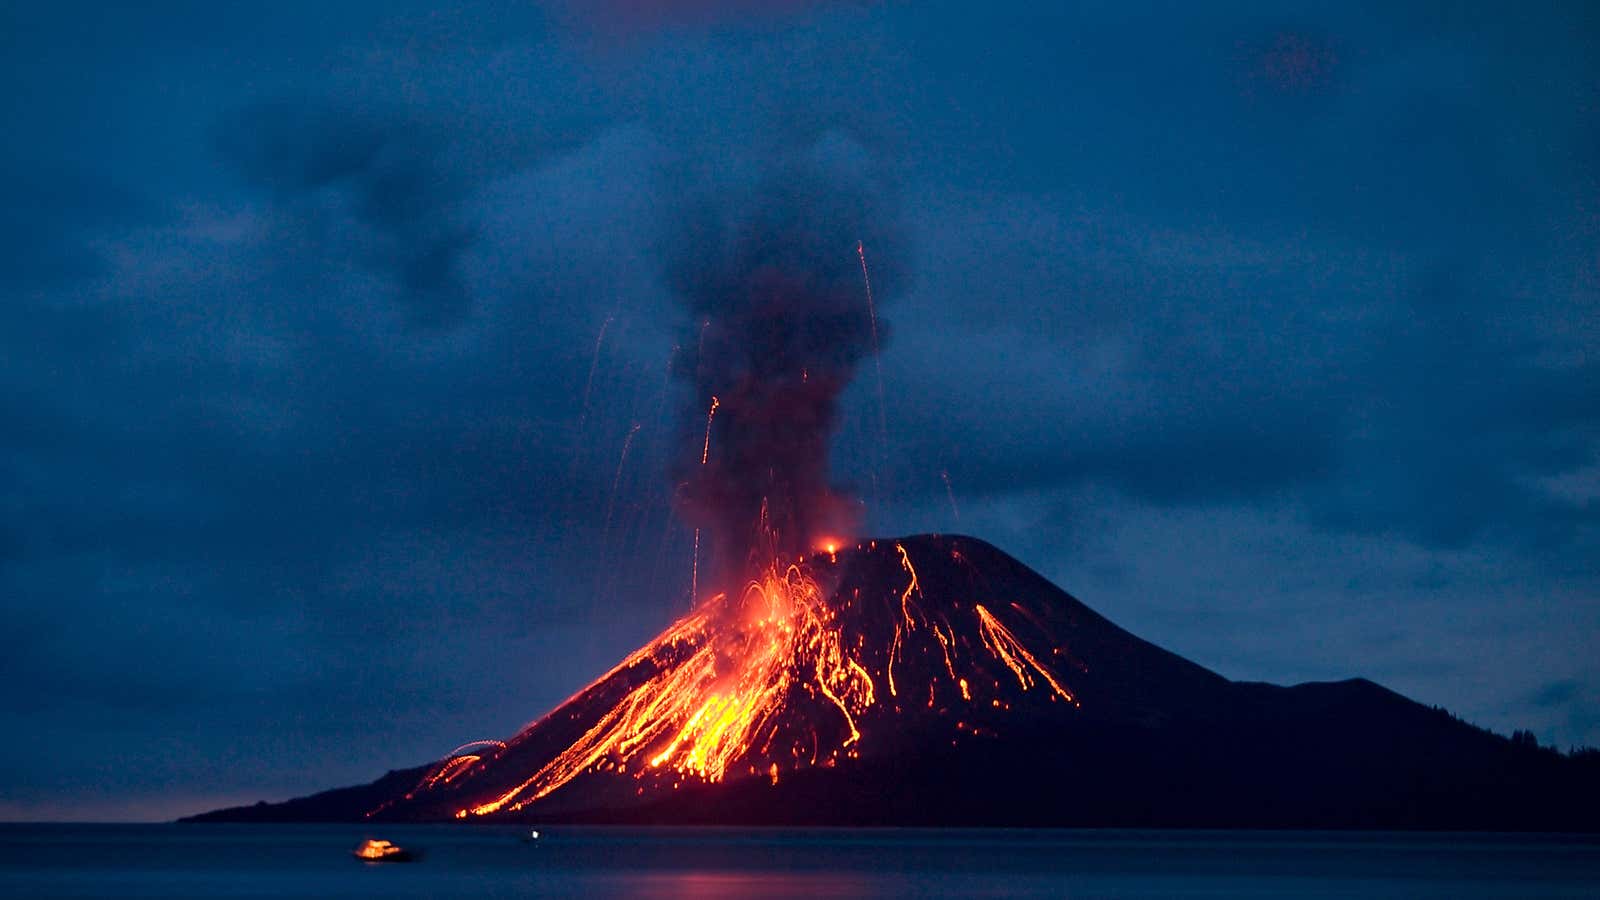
{"x":711,"y":414}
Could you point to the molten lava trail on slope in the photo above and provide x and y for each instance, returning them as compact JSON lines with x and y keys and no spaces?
{"x":807,"y":666}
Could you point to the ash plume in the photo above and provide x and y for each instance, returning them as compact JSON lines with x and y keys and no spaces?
{"x":777,"y":324}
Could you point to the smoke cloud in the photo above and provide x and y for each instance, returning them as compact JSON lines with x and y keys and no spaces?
{"x":777,"y":324}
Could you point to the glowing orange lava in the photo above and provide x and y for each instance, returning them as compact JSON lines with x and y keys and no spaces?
{"x":776,"y":677}
{"x":705,"y":451}
{"x":698,"y":718}
{"x":1004,"y":645}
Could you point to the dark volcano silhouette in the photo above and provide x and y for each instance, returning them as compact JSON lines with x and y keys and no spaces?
{"x":998,"y":699}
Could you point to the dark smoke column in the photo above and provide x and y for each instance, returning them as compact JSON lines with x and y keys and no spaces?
{"x":777,"y":325}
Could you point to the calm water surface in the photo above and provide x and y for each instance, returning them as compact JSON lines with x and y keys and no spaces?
{"x":303,"y":861}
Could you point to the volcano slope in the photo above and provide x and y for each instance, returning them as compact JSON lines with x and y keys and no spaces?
{"x":935,"y":680}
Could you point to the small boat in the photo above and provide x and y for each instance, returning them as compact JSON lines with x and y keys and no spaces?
{"x":383,"y":851}
{"x":531,"y":836}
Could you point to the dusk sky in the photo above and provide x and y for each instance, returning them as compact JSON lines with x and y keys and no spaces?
{"x":1271,"y":333}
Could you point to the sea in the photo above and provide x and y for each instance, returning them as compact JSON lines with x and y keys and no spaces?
{"x":176,"y":861}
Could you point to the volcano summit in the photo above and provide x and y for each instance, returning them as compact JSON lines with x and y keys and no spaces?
{"x":934,"y":680}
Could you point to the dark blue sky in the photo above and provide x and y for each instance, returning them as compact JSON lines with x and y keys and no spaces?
{"x":1269,"y":332}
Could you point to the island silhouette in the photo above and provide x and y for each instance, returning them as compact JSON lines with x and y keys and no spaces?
{"x":936,"y":681}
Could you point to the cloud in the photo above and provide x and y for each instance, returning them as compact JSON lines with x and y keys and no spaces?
{"x":52,"y":213}
{"x":622,"y":18}
{"x":1569,"y":711}
{"x":1388,"y":394}
{"x":1460,"y":417}
{"x":388,"y":176}
{"x":1558,"y":693}
{"x":228,"y":455}
{"x":1096,"y":349}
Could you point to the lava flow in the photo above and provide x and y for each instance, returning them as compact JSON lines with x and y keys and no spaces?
{"x":814,"y":663}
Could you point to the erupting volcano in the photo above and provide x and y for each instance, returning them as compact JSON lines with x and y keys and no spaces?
{"x":934,"y":680}
{"x":920,"y":680}
{"x":790,"y":662}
